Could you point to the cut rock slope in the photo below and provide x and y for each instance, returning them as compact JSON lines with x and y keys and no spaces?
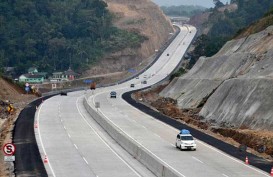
{"x":236,"y":84}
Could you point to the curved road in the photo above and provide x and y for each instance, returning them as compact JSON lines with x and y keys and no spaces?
{"x":76,"y":145}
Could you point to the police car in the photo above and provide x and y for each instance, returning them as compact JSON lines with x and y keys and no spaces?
{"x":184,"y":140}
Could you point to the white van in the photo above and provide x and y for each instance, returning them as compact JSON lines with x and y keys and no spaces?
{"x":184,"y":140}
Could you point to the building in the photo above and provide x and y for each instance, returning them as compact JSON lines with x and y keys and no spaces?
{"x":32,"y":78}
{"x":68,"y":75}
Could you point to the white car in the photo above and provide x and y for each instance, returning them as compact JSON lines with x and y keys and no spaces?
{"x":184,"y":140}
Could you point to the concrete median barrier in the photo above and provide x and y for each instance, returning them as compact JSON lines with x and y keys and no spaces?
{"x":143,"y":155}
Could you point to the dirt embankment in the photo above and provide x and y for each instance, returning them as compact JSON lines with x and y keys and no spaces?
{"x":9,"y":94}
{"x":258,"y":142}
{"x":143,"y":17}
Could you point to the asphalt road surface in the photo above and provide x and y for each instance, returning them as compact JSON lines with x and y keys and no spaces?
{"x":75,"y":145}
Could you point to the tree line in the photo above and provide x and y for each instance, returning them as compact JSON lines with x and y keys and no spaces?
{"x":227,"y":24}
{"x":53,"y":35}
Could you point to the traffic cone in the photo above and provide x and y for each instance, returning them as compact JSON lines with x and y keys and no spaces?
{"x":45,"y":160}
{"x":35,"y":125}
{"x":271,"y":173}
{"x":246,"y":160}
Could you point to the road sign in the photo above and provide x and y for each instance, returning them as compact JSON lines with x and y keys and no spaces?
{"x":9,"y":158}
{"x":88,"y":81}
{"x":9,"y":149}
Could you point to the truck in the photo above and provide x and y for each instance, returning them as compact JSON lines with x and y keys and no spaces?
{"x":184,"y":140}
{"x":93,"y":86}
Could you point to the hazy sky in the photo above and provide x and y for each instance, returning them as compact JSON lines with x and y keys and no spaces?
{"x":205,"y":3}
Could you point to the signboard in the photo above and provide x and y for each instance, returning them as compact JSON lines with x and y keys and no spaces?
{"x":87,"y":81}
{"x":131,"y":70}
{"x":9,"y":158}
{"x":54,"y":86}
{"x":9,"y":149}
{"x":97,"y":104}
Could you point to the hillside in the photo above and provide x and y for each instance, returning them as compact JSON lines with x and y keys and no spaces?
{"x":144,"y":18}
{"x":235,"y":84}
{"x":9,"y":93}
{"x":218,"y":25}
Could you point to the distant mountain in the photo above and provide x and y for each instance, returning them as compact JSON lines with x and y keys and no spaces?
{"x":186,"y":11}
{"x":204,"y":3}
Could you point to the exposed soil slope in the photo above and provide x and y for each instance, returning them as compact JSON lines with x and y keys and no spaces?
{"x":14,"y":95}
{"x":141,"y":16}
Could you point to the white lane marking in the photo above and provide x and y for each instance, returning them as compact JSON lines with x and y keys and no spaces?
{"x":143,"y":126}
{"x":64,"y":127}
{"x":68,"y":135}
{"x":76,"y":146}
{"x":85,"y":160}
{"x":42,"y":144}
{"x":61,"y":120}
{"x":77,"y":104}
{"x":197,"y":159}
{"x":141,"y":145}
{"x":232,"y":158}
{"x":157,"y":135}
{"x":225,"y":175}
{"x":201,"y":142}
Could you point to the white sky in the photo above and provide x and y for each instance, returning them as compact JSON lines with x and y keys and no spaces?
{"x":205,"y":3}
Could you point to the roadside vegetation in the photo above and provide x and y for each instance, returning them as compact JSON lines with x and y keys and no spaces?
{"x":224,"y":25}
{"x":53,"y":35}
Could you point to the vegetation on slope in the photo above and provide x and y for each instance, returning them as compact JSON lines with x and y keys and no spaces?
{"x":225,"y":25}
{"x":258,"y":26}
{"x":53,"y":35}
{"x":185,"y":11}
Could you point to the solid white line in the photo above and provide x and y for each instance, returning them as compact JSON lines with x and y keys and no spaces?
{"x":197,"y":159}
{"x":85,"y":160}
{"x":64,"y":127}
{"x":225,"y":175}
{"x":141,"y":145}
{"x":236,"y":160}
{"x":76,"y":146}
{"x":77,"y":102}
{"x":40,"y":137}
{"x":68,"y":135}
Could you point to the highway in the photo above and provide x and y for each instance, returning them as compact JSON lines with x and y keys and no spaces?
{"x":119,"y":140}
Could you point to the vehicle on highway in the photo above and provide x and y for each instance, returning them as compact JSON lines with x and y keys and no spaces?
{"x":168,"y":54}
{"x":144,"y":82}
{"x":113,"y":94}
{"x":93,"y":86}
{"x":63,"y":93}
{"x":137,"y":77}
{"x":145,"y":76}
{"x":132,"y":85}
{"x":184,"y":140}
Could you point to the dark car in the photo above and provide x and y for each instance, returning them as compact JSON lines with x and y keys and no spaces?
{"x":113,"y":94}
{"x":144,"y":82}
{"x":132,"y":85}
{"x":168,"y":54}
{"x":63,"y":93}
